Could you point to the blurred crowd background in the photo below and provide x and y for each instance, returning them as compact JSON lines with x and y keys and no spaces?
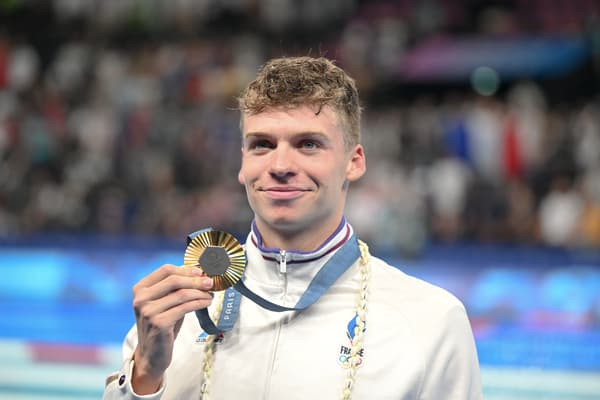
{"x":118,"y":117}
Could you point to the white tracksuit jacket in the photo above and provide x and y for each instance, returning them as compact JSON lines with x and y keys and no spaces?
{"x":418,"y":342}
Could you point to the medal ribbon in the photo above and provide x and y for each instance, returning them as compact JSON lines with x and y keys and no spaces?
{"x":327,"y":275}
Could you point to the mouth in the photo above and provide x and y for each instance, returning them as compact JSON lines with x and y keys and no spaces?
{"x":283,"y":192}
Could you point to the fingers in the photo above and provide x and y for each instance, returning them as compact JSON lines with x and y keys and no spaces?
{"x":169,"y":278}
{"x":168,"y":319}
{"x":171,"y":284}
{"x":168,"y":270}
{"x":167,"y":294}
{"x":185,"y":300}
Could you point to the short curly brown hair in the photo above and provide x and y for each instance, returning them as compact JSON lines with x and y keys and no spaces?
{"x":296,"y":81}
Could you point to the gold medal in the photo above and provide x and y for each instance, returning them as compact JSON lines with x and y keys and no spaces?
{"x":219,"y":255}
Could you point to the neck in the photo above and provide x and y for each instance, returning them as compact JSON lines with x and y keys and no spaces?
{"x":303,"y":241}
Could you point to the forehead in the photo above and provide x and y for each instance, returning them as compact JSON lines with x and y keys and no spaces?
{"x":290,"y":120}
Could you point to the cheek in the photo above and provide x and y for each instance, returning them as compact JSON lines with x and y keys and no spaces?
{"x":249,"y":172}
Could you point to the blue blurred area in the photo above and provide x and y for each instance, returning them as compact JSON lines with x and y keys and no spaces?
{"x":535,"y":307}
{"x":448,"y":58}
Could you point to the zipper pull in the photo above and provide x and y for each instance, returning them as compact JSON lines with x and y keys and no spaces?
{"x":282,"y":261}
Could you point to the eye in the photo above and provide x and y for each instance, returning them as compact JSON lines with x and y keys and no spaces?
{"x":260,"y":144}
{"x":309,"y":144}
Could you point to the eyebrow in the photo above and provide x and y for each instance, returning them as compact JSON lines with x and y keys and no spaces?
{"x":298,"y":134}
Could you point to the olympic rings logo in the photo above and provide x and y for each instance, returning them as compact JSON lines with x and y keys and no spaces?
{"x":344,"y":360}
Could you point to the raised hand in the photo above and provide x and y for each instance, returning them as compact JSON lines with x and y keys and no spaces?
{"x":160,"y":301}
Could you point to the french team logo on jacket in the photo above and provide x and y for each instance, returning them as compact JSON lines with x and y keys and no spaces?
{"x":346,"y":349}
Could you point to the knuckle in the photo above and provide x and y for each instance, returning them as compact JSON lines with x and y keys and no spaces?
{"x":181,"y":296}
{"x":136,"y":288}
{"x":171,"y":283}
{"x":165,"y":268}
{"x":190,"y":295}
{"x":143,"y":312}
{"x":138,"y":303}
{"x":175,"y":282}
{"x":168,"y":268}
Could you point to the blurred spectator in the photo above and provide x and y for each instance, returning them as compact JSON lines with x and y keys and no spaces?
{"x":587,"y":136}
{"x":560,"y":213}
{"x":527,"y":109}
{"x":590,"y":216}
{"x":522,"y":218}
{"x":448,"y":182}
{"x":22,"y":68}
{"x":486,"y":212}
{"x":484,"y":125}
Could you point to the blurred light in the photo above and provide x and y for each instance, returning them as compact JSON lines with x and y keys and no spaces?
{"x":485,"y":81}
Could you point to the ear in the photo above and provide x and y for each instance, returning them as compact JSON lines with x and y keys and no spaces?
{"x":357,"y":164}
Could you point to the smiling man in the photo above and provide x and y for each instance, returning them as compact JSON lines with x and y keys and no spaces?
{"x":355,"y":327}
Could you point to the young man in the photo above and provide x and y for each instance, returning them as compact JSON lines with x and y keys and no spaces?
{"x":375,"y":333}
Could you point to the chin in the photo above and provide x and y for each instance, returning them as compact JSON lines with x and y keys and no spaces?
{"x":284,"y":223}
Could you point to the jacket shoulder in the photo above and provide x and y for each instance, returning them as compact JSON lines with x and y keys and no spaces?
{"x":403,"y":290}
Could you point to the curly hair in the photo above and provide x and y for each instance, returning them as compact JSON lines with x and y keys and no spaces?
{"x":296,"y":81}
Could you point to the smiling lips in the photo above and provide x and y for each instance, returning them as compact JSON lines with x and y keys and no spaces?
{"x":283,"y":192}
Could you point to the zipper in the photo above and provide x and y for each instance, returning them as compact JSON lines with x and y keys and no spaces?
{"x":271,"y":367}
{"x":278,"y":326}
{"x":282,"y":261}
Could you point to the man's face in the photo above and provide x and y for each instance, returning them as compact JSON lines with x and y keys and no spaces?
{"x":295,"y":168}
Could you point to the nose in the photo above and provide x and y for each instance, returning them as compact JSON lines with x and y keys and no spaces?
{"x":282,"y":163}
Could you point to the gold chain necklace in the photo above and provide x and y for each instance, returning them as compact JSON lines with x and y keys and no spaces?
{"x":353,"y":360}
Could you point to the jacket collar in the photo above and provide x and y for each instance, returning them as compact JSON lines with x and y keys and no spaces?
{"x":342,"y":233}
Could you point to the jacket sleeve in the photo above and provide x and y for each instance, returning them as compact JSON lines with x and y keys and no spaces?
{"x":452,"y":367}
{"x":118,"y":384}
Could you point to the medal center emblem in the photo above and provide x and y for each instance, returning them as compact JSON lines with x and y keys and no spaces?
{"x":214,"y":260}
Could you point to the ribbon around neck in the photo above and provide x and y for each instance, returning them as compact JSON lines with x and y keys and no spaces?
{"x":323,"y":280}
